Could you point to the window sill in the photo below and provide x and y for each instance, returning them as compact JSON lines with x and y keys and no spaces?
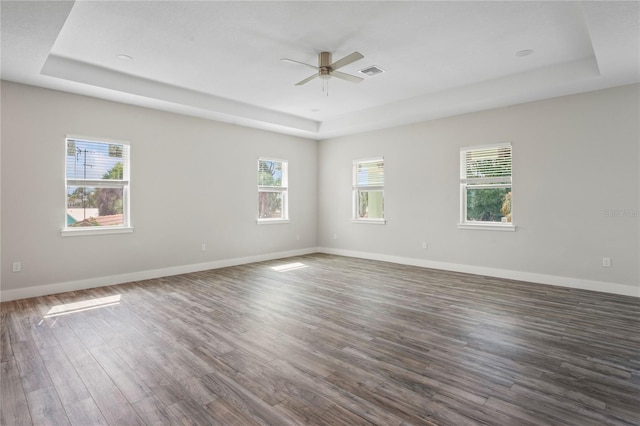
{"x":78,"y":232}
{"x":370,"y":221}
{"x":272,"y":221}
{"x":487,"y":226}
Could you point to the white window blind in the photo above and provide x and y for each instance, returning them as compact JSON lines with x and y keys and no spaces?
{"x":97,"y":163}
{"x":368,"y":173}
{"x":486,"y":164}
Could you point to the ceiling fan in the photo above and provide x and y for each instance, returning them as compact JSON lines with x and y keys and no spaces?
{"x":326,"y":69}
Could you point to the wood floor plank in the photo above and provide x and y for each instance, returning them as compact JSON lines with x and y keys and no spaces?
{"x":189,"y":412}
{"x":521,"y":412}
{"x":125,"y":379}
{"x":154,"y":412}
{"x":18,"y":328}
{"x":228,"y":415}
{"x":445,"y":406}
{"x":85,"y":412}
{"x":557,"y":407}
{"x":5,"y":339}
{"x":84,"y":332}
{"x":33,"y":372}
{"x":45,"y":408}
{"x":337,"y":415}
{"x":76,"y":351}
{"x":68,"y":385}
{"x":14,"y":409}
{"x":243,"y":400}
{"x":113,"y":405}
{"x":404,"y":403}
{"x":41,"y":331}
{"x":339,"y":341}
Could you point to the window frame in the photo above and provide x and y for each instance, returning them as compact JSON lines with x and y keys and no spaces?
{"x":124,"y":184}
{"x":484,"y":183}
{"x":358,"y":189}
{"x":283,"y":189}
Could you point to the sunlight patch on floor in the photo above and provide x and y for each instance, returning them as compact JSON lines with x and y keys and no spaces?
{"x":289,"y":267}
{"x":85,"y":305}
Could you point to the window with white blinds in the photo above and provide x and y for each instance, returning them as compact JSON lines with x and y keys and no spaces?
{"x":273,"y":190}
{"x":368,"y":190}
{"x":97,"y":186}
{"x":485,"y":185}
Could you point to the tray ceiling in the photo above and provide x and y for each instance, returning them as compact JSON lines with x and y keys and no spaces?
{"x":221,"y":59}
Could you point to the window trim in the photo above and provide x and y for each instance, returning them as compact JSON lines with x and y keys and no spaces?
{"x":99,"y":230}
{"x":125,"y":184}
{"x":356,"y":189}
{"x":486,"y":182}
{"x":283,"y":189}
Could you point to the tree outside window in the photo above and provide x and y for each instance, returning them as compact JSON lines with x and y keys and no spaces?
{"x":272,"y":190}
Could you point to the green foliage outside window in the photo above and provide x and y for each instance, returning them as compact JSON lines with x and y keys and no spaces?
{"x":488,"y":204}
{"x":269,"y":203}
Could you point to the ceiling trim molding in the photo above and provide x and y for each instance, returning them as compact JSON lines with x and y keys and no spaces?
{"x":225,"y":110}
{"x":568,"y":78}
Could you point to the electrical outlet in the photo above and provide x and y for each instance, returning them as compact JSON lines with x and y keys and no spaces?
{"x":425,"y":245}
{"x":203,"y":247}
{"x":335,"y":236}
{"x":606,"y":262}
{"x":298,"y":237}
{"x":17,"y":266}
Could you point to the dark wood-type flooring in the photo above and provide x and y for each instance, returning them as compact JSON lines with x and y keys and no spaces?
{"x":322,"y":340}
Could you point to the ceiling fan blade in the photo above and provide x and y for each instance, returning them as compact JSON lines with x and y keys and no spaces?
{"x":298,"y":62}
{"x":306,"y":80}
{"x":355,"y":56}
{"x":344,"y":76}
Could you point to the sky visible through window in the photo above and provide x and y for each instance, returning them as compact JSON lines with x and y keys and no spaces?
{"x":270,"y":173}
{"x":277,"y":174}
{"x":91,"y":160}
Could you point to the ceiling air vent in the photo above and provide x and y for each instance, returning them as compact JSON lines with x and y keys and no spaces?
{"x":371,"y":71}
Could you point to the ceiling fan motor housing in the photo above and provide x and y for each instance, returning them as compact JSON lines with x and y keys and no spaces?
{"x":324,"y":65}
{"x":324,"y":60}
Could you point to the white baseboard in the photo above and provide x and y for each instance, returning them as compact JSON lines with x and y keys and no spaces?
{"x":43,"y":290}
{"x":582,"y":284}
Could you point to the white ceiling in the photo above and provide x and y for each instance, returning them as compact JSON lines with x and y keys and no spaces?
{"x":221,"y":59}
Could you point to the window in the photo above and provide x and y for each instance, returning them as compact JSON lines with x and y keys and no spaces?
{"x":97,"y":187}
{"x":368,"y":190}
{"x":485,"y":187}
{"x":272,"y":191}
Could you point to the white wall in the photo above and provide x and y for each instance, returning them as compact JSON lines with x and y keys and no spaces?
{"x":573,"y":158}
{"x":193,"y":181}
